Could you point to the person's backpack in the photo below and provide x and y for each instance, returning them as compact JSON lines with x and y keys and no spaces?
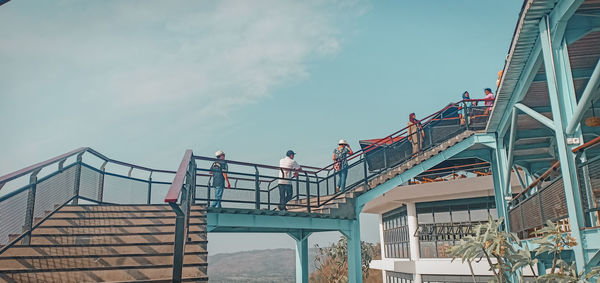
{"x":216,"y":170}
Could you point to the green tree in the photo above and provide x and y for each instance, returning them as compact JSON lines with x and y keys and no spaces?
{"x":332,"y":265}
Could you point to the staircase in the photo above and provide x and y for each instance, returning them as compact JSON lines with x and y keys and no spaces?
{"x":342,"y":205}
{"x":117,"y":243}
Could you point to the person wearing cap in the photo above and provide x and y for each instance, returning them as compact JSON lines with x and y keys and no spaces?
{"x":415,"y":133}
{"x":219,"y":171}
{"x":288,"y":164}
{"x":489,"y":100}
{"x":340,"y":159}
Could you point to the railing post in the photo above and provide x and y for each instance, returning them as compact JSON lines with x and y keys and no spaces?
{"x":366,"y":180}
{"x":149,"y":188}
{"x":77,"y":178}
{"x":307,"y":192}
{"x":318,"y":190}
{"x":257,"y":188}
{"x":297,"y":187}
{"x":29,"y":213}
{"x":101,"y":182}
{"x":179,"y":242}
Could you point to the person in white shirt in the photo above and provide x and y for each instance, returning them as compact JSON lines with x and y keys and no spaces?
{"x":285,"y":186}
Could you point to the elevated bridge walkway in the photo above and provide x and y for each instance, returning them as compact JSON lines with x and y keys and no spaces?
{"x":82,"y":216}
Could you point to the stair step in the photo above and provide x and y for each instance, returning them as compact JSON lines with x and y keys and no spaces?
{"x":154,"y":273}
{"x":141,"y":207}
{"x":115,"y":221}
{"x":101,"y":239}
{"x":122,"y":214}
{"x":44,"y":263}
{"x":113,"y":229}
{"x":123,"y":249}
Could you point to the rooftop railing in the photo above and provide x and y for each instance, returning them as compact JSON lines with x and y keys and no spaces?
{"x":82,"y":175}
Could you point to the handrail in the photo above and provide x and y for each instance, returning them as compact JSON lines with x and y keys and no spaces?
{"x":11,"y":176}
{"x":428,"y":119}
{"x":556,"y":165}
{"x":175,"y":188}
{"x":587,"y":145}
{"x":38,"y":166}
{"x":552,"y":168}
{"x":103,"y":157}
{"x":252,"y":164}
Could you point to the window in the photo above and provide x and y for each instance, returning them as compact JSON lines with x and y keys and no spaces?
{"x":398,"y":277}
{"x":442,"y":224}
{"x":395,"y":233}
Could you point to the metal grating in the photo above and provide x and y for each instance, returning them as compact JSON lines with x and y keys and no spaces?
{"x":54,"y":191}
{"x":553,"y":201}
{"x":89,"y":183}
{"x":12,"y":215}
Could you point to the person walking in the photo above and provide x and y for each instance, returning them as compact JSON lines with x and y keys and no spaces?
{"x":219,"y":171}
{"x":287,"y":165}
{"x":489,"y":100}
{"x":415,"y":133}
{"x":340,"y":159}
{"x":464,"y":108}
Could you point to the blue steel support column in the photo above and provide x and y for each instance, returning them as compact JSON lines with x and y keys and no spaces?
{"x":354,"y":252}
{"x":301,"y":238}
{"x":497,"y":173}
{"x":562,"y":97}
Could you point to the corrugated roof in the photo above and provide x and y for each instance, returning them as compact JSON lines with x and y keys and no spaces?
{"x":523,"y":43}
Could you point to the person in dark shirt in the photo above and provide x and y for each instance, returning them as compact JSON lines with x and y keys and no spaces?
{"x":219,"y":171}
{"x":340,"y":158}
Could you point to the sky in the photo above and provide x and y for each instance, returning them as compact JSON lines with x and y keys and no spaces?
{"x":142,"y":81}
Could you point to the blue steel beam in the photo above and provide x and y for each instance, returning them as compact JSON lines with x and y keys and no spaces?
{"x":559,"y":18}
{"x":486,"y":139}
{"x":498,"y":185}
{"x":226,"y":222}
{"x":535,"y":115}
{"x":580,"y":25}
{"x":511,"y":146}
{"x":590,"y":93}
{"x":577,"y":75}
{"x":527,"y":76}
{"x":482,"y":153}
{"x":562,"y":97}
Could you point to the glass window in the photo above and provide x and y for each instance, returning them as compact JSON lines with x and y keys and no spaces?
{"x":396,"y":234}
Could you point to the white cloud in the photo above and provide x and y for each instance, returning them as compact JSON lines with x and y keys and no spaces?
{"x":121,"y":67}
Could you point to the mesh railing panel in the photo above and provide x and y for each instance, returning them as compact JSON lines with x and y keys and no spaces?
{"x":515,"y":219}
{"x":588,"y":175}
{"x":89,"y":183}
{"x":54,"y":191}
{"x":12,"y":215}
{"x":532,"y":214}
{"x":158,"y":193}
{"x":553,"y":201}
{"x":123,"y":190}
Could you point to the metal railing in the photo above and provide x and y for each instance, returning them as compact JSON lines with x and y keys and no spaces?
{"x":544,"y":199}
{"x":180,"y":198}
{"x":71,"y":178}
{"x":256,"y":186}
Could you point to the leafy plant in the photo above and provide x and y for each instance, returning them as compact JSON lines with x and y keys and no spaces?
{"x":500,"y":249}
{"x":331,"y":262}
{"x":506,"y":255}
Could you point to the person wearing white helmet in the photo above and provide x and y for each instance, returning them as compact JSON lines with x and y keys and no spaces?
{"x":340,"y":159}
{"x":219,"y":171}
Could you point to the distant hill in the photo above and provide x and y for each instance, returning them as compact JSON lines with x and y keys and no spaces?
{"x":275,"y":265}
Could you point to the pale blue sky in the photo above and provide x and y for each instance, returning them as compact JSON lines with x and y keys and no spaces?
{"x":141,"y":81}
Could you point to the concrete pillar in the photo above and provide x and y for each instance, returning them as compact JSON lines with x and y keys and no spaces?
{"x":413,"y":225}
